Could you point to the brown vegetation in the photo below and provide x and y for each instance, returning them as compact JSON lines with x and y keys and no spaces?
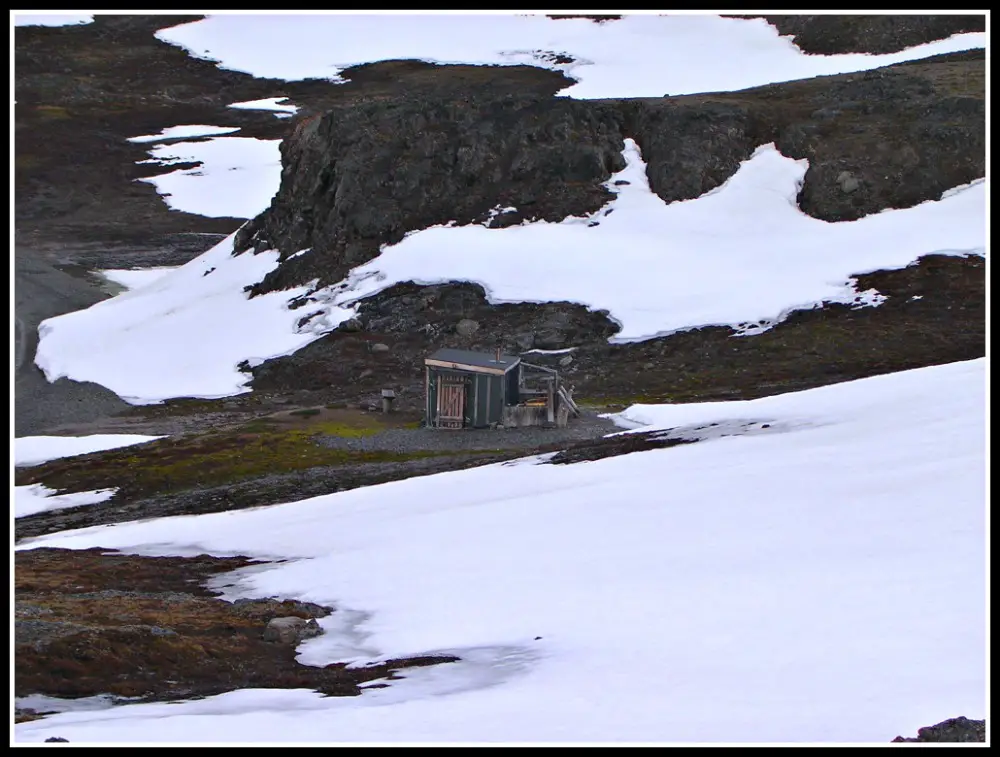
{"x":93,"y":622}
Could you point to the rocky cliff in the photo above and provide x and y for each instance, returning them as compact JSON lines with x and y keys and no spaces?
{"x":363,"y":174}
{"x":830,"y":35}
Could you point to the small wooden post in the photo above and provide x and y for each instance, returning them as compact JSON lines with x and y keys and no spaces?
{"x":388,"y":395}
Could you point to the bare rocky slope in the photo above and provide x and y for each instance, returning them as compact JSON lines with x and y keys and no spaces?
{"x":361,"y":175}
{"x":401,"y":146}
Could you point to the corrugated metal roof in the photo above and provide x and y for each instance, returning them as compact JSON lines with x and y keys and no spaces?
{"x":475,"y":359}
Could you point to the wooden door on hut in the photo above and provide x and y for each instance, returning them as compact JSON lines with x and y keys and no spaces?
{"x":451,"y":400}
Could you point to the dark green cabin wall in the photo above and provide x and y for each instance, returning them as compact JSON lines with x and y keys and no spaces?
{"x":481,"y":414}
{"x":496,"y":398}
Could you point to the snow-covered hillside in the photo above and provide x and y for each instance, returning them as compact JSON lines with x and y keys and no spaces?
{"x":810,"y":568}
{"x":766,"y":584}
{"x":743,"y":255}
{"x":641,"y":55}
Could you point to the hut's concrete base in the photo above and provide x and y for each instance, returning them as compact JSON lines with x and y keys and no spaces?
{"x":520,"y":416}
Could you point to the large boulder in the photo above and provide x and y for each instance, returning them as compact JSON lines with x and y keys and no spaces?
{"x":291,"y":630}
{"x":952,"y":730}
{"x":466,"y":327}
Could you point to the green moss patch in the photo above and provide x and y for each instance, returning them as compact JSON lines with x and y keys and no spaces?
{"x":52,"y":112}
{"x":202,"y":460}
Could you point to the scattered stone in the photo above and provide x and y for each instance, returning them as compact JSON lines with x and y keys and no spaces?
{"x":380,"y":347}
{"x":848,"y":182}
{"x":550,"y":339}
{"x":525,"y":340}
{"x":466,"y":327}
{"x":366,"y":373}
{"x":826,"y":113}
{"x":291,"y":630}
{"x":565,"y":361}
{"x":352,"y":325}
{"x":958,"y":729}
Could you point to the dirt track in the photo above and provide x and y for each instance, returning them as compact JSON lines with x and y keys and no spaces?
{"x":42,"y":291}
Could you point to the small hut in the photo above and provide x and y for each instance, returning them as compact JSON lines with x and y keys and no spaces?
{"x":467,"y":389}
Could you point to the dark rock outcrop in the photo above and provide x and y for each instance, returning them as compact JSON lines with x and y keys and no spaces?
{"x":953,"y":730}
{"x":363,"y":175}
{"x":830,"y":35}
{"x":905,"y":134}
{"x":366,"y":173}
